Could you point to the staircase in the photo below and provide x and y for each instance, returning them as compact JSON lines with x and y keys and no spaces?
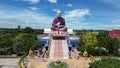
{"x":58,"y":49}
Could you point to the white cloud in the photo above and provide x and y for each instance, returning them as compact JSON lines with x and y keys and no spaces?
{"x":53,"y":1}
{"x":70,"y":5}
{"x":33,"y":19}
{"x":1,"y":13}
{"x":55,"y":10}
{"x":31,"y":1}
{"x":75,"y":17}
{"x":106,"y":26}
{"x":24,"y":18}
{"x":108,"y":1}
{"x":77,"y":14}
{"x":112,"y":2}
{"x":33,"y":8}
{"x":116,"y":21}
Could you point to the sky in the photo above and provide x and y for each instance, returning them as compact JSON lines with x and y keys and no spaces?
{"x":78,"y":14}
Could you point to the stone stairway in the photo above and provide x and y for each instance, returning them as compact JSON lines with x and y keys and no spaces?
{"x":58,"y":49}
{"x":65,"y":49}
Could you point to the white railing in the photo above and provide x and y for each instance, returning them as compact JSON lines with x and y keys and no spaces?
{"x":73,"y":55}
{"x":60,"y":32}
{"x":51,"y":53}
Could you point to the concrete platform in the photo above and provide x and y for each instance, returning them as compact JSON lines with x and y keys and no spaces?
{"x":9,"y":62}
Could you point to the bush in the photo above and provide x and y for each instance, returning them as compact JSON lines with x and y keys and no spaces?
{"x":102,"y":52}
{"x":3,"y":52}
{"x":106,"y":63}
{"x":81,"y":48}
{"x":64,"y":65}
{"x":91,"y":50}
{"x":117,"y":54}
{"x":21,"y":53}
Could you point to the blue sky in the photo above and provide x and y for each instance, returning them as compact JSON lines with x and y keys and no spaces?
{"x":78,"y":14}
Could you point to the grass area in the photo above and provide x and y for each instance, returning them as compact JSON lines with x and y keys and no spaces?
{"x":64,"y":65}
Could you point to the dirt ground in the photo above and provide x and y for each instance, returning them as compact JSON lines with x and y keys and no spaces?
{"x":72,"y":63}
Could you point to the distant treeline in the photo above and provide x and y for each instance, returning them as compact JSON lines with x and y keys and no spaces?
{"x":20,"y":40}
{"x":83,"y":31}
{"x":40,"y":31}
{"x":22,"y":30}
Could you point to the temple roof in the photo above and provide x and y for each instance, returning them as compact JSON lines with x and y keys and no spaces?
{"x":115,"y":33}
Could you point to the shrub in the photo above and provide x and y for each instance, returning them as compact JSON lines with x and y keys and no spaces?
{"x":106,"y":63}
{"x":3,"y":52}
{"x":21,"y":53}
{"x":64,"y":65}
{"x":117,"y":54}
{"x":81,"y":48}
{"x":93,"y":51}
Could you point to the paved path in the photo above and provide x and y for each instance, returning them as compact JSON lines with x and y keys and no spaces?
{"x":9,"y":62}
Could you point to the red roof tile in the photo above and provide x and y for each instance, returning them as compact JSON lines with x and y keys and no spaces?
{"x":114,"y":33}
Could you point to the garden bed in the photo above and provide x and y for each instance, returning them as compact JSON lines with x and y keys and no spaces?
{"x":62,"y":65}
